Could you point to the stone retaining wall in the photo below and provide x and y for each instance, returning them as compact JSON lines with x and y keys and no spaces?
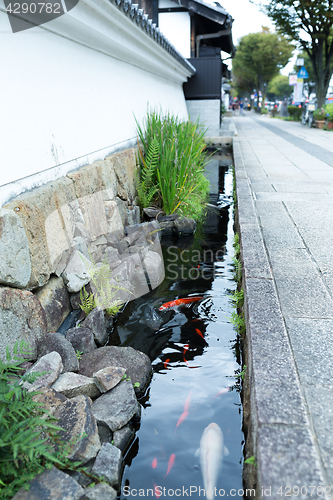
{"x":43,"y":230}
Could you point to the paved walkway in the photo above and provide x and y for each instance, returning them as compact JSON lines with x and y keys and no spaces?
{"x":284,"y":175}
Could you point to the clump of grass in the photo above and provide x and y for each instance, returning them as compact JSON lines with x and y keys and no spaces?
{"x":171,"y":163}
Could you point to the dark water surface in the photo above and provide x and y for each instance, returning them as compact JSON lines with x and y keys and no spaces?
{"x":195,"y":358}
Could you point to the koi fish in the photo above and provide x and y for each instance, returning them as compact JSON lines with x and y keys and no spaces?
{"x":187,"y":402}
{"x":166,"y":364}
{"x":154,"y":463}
{"x":182,"y":417}
{"x":222,"y":391}
{"x":157,"y":491}
{"x":211,"y":453}
{"x":170,"y":464}
{"x":179,"y":302}
{"x":199,"y":333}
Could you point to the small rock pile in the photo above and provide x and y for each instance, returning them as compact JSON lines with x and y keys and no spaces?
{"x":171,"y":225}
{"x":95,"y":402}
{"x":127,"y":257}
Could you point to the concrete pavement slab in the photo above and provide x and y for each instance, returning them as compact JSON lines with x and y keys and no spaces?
{"x":289,"y":465}
{"x":287,"y":256}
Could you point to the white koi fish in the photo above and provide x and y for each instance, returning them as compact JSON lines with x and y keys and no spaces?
{"x":211,"y":454}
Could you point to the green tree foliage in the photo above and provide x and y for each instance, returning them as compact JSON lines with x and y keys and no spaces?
{"x":259,"y":58}
{"x":279,"y":87}
{"x":310,"y":24}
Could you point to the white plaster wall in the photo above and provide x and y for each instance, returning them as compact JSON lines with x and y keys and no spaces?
{"x":176,"y":27}
{"x":208,"y":111}
{"x":65,"y":102}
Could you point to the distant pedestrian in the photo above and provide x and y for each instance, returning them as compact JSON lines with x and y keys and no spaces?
{"x":241,"y":105}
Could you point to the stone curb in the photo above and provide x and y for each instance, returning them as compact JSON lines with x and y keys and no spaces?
{"x":280,"y":433}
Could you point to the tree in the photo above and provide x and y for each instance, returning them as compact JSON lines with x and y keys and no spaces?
{"x":310,"y":24}
{"x":279,"y":87}
{"x":258,"y":59}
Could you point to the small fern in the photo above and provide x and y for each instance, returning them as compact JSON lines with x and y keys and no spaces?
{"x":105,"y":292}
{"x":146,"y":186}
{"x":87,"y":301}
{"x":23,"y":428}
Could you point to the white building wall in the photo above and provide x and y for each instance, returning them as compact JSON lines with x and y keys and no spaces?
{"x":71,"y":90}
{"x":176,"y":26}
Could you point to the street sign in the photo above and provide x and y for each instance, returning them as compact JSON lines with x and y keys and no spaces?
{"x":292,"y":79}
{"x":302,"y":73}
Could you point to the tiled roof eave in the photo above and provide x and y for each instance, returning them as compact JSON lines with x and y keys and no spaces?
{"x":139,"y":18}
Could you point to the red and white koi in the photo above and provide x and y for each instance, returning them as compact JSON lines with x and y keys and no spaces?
{"x":179,"y":302}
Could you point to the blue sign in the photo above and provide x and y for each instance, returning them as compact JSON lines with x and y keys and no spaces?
{"x":302,"y":73}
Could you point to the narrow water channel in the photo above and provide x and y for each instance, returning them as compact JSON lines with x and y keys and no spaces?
{"x":195,"y":355}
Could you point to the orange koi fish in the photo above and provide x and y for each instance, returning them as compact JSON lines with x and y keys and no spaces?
{"x":154,"y":463}
{"x":166,"y":364}
{"x":187,"y":401}
{"x":199,"y":333}
{"x":186,"y":347}
{"x":182,"y":417}
{"x":179,"y":302}
{"x":157,"y":491}
{"x":222,"y":391}
{"x":170,"y":464}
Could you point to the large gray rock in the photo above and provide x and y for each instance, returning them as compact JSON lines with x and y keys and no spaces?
{"x":73,"y":384}
{"x":185,"y":226}
{"x":80,"y":428}
{"x":46,"y":218}
{"x":136,"y":364}
{"x":76,"y":275}
{"x":15,"y":265}
{"x":96,"y":322}
{"x":49,"y":398}
{"x":51,"y":364}
{"x":82,"y":339}
{"x":57,"y":342}
{"x":52,"y":484}
{"x":108,"y":464}
{"x":101,"y":491}
{"x":54,"y":299}
{"x":21,"y":318}
{"x":133,"y":215}
{"x":105,"y":434}
{"x":167,"y":228}
{"x":123,"y":438}
{"x":116,"y":407}
{"x":154,"y":267}
{"x":107,"y":378}
{"x":112,"y":257}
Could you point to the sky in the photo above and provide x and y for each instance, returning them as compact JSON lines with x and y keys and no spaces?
{"x":248,"y":19}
